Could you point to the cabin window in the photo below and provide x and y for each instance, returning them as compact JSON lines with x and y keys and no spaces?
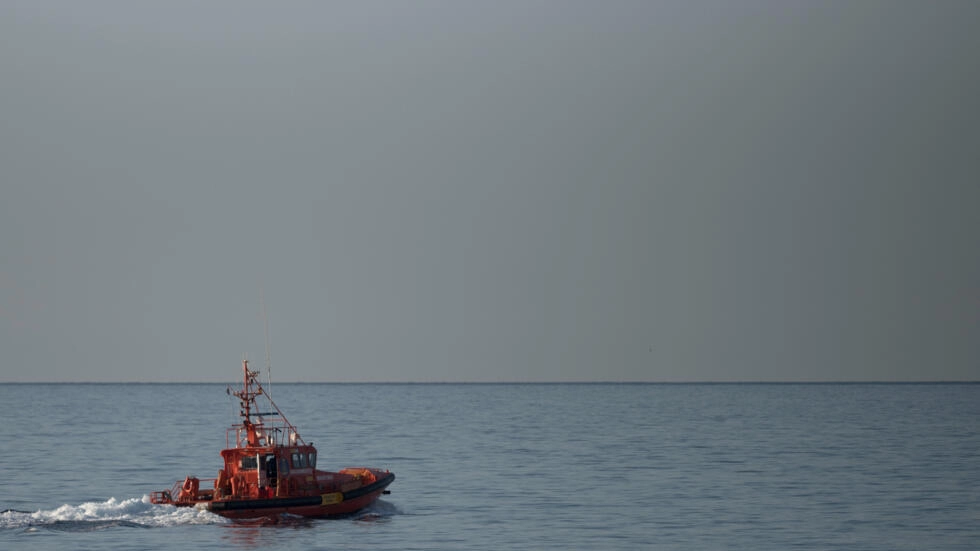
{"x":312,"y":458}
{"x":299,"y":460}
{"x":250,"y":462}
{"x":283,"y":466}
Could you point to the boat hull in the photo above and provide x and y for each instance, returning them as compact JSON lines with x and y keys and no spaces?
{"x":324,"y":505}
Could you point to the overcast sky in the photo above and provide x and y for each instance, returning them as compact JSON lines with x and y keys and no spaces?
{"x":490,"y":191}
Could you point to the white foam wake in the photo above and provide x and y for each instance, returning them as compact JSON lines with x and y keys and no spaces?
{"x":94,"y":515}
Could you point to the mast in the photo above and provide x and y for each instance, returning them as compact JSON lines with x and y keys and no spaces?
{"x":247,"y":396}
{"x":261,"y":432}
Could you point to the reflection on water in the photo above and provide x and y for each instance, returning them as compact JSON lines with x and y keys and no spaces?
{"x":265,"y":531}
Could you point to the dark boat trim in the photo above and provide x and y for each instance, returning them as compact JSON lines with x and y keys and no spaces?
{"x":364,"y":490}
{"x":306,"y":501}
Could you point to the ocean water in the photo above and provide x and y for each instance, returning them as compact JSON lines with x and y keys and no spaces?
{"x":523,"y":466}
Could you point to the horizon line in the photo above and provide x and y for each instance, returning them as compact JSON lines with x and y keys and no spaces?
{"x":516,"y":382}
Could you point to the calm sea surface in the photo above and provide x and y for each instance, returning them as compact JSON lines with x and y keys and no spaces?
{"x":538,"y":466}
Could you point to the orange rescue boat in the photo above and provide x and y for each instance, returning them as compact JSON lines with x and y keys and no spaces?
{"x":269,"y":470}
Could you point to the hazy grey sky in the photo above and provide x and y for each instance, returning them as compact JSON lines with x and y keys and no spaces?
{"x":484,"y":191}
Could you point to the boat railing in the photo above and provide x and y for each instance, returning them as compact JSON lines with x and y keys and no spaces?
{"x":271,"y":434}
{"x":176,"y":494}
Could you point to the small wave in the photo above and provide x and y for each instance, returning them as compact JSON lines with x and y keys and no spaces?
{"x":140,"y":513}
{"x":378,"y":510}
{"x":113,"y":513}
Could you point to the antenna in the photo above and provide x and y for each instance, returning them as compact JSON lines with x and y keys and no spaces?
{"x":268,"y":355}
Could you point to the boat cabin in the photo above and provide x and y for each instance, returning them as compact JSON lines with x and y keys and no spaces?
{"x":264,"y":456}
{"x":269,"y":471}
